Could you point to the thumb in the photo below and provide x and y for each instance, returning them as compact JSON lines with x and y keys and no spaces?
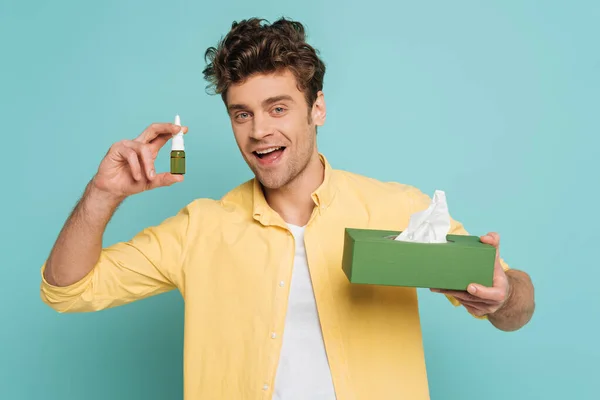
{"x":165,"y":179}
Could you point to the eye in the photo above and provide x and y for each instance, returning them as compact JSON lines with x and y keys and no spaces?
{"x":279,"y":110}
{"x":242,"y":115}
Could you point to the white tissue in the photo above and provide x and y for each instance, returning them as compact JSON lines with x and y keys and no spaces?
{"x":430,"y":225}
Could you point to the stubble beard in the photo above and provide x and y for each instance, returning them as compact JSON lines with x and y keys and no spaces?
{"x":280,"y":177}
{"x":295,"y":166}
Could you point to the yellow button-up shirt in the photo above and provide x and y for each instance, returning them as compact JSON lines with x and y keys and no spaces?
{"x":232,"y":260}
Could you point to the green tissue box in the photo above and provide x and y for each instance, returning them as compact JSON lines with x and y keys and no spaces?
{"x":374,"y":257}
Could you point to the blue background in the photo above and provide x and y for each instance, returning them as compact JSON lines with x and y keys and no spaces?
{"x":494,"y":102}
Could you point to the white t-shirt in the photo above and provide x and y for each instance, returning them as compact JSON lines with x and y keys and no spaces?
{"x":303,"y":371}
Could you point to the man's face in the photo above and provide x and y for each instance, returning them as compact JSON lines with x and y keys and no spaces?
{"x":273,"y":126}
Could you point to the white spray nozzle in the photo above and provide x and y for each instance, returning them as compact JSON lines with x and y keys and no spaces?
{"x":177,"y":142}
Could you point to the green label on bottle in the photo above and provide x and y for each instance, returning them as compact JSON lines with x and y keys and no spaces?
{"x":177,"y":162}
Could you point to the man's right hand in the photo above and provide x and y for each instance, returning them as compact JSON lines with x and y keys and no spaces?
{"x":128,"y":167}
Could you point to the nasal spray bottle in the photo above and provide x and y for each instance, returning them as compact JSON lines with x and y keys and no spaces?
{"x":177,"y":151}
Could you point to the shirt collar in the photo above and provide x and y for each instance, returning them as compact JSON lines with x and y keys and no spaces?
{"x":322,"y":197}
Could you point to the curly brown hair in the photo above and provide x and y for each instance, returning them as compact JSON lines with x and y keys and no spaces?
{"x":253,"y":46}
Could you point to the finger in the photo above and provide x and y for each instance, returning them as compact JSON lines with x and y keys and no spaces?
{"x":158,"y":129}
{"x":131,"y":156}
{"x":484,"y":308}
{"x":475,"y":310}
{"x":492,"y":238}
{"x":496,"y":294}
{"x":165,"y":179}
{"x":464,"y":296}
{"x":157,"y":143}
{"x":147,"y":156}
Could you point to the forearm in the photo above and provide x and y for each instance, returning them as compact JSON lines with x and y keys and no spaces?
{"x":79,"y":244}
{"x":519,"y":307}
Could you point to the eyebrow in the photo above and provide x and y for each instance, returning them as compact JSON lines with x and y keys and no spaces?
{"x":264,"y":103}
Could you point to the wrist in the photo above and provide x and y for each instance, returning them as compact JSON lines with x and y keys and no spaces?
{"x":509,"y":296}
{"x":96,"y":195}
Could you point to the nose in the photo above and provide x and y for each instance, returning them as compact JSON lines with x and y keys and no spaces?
{"x":261,"y":127}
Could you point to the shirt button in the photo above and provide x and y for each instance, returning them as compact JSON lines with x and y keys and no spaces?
{"x":265,"y":387}
{"x":273,"y":335}
{"x":281,"y":283}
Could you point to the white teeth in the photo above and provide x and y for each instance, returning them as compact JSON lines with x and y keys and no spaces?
{"x":269,"y":150}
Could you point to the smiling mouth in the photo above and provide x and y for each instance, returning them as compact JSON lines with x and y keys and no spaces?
{"x":271,"y":152}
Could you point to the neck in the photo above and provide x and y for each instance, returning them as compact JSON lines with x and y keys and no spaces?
{"x":293,"y":201}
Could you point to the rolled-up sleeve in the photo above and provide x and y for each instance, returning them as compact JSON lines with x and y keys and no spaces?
{"x":148,"y":264}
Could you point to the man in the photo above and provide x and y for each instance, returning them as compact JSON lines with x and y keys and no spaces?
{"x":268,"y":310}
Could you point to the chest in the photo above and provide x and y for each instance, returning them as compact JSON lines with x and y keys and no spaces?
{"x":253,"y":265}
{"x":257,"y":259}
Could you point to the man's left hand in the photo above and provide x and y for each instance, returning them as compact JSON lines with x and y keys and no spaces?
{"x":481,"y":300}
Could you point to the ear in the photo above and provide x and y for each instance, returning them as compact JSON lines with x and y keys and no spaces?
{"x":319,"y":110}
